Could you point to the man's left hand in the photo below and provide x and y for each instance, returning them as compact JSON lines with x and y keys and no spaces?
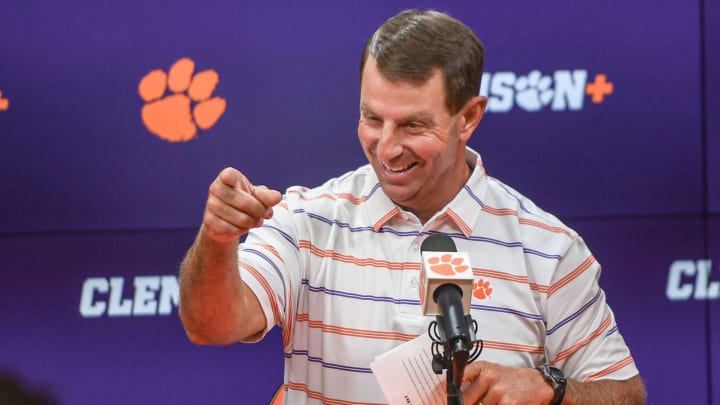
{"x":493,"y":384}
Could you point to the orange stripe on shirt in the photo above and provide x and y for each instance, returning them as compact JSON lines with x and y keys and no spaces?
{"x":266,"y":286}
{"x":510,"y":277}
{"x":272,"y":250}
{"x":352,"y":198}
{"x":385,"y":218}
{"x":539,"y":224}
{"x":513,"y":347}
{"x":573,"y":275}
{"x":499,"y":275}
{"x":363,"y":333}
{"x":524,"y":221}
{"x":288,"y":327}
{"x":577,"y":346}
{"x":467,"y":230}
{"x":613,"y":368}
{"x":539,"y":288}
{"x":306,"y":244}
{"x":320,"y":397}
{"x":346,"y":196}
{"x":498,"y":211}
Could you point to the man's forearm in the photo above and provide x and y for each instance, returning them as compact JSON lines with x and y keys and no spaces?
{"x":211,"y":292}
{"x":631,"y":391}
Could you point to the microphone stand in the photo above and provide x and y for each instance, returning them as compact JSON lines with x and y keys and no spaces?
{"x":456,"y":354}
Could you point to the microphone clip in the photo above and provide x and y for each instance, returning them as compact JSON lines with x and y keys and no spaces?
{"x":444,"y":351}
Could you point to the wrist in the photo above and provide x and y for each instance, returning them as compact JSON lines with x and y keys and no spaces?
{"x":209,"y":238}
{"x":556,"y":380}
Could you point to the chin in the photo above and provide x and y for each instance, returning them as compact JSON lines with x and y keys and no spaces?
{"x":399,"y":195}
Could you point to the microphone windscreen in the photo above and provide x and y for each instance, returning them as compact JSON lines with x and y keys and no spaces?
{"x":438,"y":243}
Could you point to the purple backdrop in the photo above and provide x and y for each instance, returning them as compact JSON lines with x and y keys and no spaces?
{"x":97,"y":211}
{"x":712,"y":106}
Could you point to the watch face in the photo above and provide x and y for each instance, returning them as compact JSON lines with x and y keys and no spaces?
{"x":557,"y":380}
{"x":557,"y":375}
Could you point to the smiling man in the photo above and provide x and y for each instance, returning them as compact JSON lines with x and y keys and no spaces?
{"x":336,"y":266}
{"x":415,"y":145}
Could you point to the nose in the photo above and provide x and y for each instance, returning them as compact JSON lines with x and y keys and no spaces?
{"x":388,"y":146}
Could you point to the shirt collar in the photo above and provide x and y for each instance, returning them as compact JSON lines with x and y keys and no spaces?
{"x":462,"y":210}
{"x":465,"y":208}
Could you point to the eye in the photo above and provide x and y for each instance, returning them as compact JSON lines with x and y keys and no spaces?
{"x":372,"y":121}
{"x":369,"y":117}
{"x":415,"y":126}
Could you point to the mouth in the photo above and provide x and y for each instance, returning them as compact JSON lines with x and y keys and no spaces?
{"x":398,"y":169}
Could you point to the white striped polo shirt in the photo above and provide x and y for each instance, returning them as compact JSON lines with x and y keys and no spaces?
{"x":337,"y":267}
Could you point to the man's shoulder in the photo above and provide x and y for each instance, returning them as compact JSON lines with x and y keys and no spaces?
{"x":502,"y":197}
{"x":352,"y":186}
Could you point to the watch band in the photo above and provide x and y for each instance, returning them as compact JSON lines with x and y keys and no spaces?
{"x":557,"y":381}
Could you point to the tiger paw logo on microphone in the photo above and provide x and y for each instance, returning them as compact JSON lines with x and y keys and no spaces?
{"x":441,"y":268}
{"x":447,"y":265}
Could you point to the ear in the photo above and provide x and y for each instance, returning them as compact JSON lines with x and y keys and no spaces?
{"x":470,"y":116}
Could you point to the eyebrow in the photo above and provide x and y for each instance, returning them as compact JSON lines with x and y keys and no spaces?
{"x":418,"y":116}
{"x":365,"y":110}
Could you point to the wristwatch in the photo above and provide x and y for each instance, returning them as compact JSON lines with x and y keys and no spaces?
{"x":557,"y":381}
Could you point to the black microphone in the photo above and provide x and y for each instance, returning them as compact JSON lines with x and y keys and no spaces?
{"x":446,"y":289}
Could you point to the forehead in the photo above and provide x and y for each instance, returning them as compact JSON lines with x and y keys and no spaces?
{"x":400,"y":97}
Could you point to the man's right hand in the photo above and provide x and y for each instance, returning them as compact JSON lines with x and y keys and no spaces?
{"x":234,"y":206}
{"x":216,"y":306}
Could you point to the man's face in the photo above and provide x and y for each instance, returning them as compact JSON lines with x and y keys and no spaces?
{"x":415,"y":146}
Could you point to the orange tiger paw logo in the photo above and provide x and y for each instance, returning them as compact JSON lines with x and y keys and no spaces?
{"x":482,"y":289}
{"x":447,"y":266}
{"x":4,"y":103}
{"x":176,"y":117}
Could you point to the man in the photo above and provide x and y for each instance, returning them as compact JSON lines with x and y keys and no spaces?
{"x":337,"y":266}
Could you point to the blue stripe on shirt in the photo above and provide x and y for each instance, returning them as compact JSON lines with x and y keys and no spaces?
{"x":325,"y":364}
{"x":574,"y":315}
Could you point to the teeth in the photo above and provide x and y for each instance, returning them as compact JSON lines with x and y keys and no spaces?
{"x":398,"y":169}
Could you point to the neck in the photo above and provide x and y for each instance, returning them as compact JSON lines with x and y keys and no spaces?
{"x":425,"y":215}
